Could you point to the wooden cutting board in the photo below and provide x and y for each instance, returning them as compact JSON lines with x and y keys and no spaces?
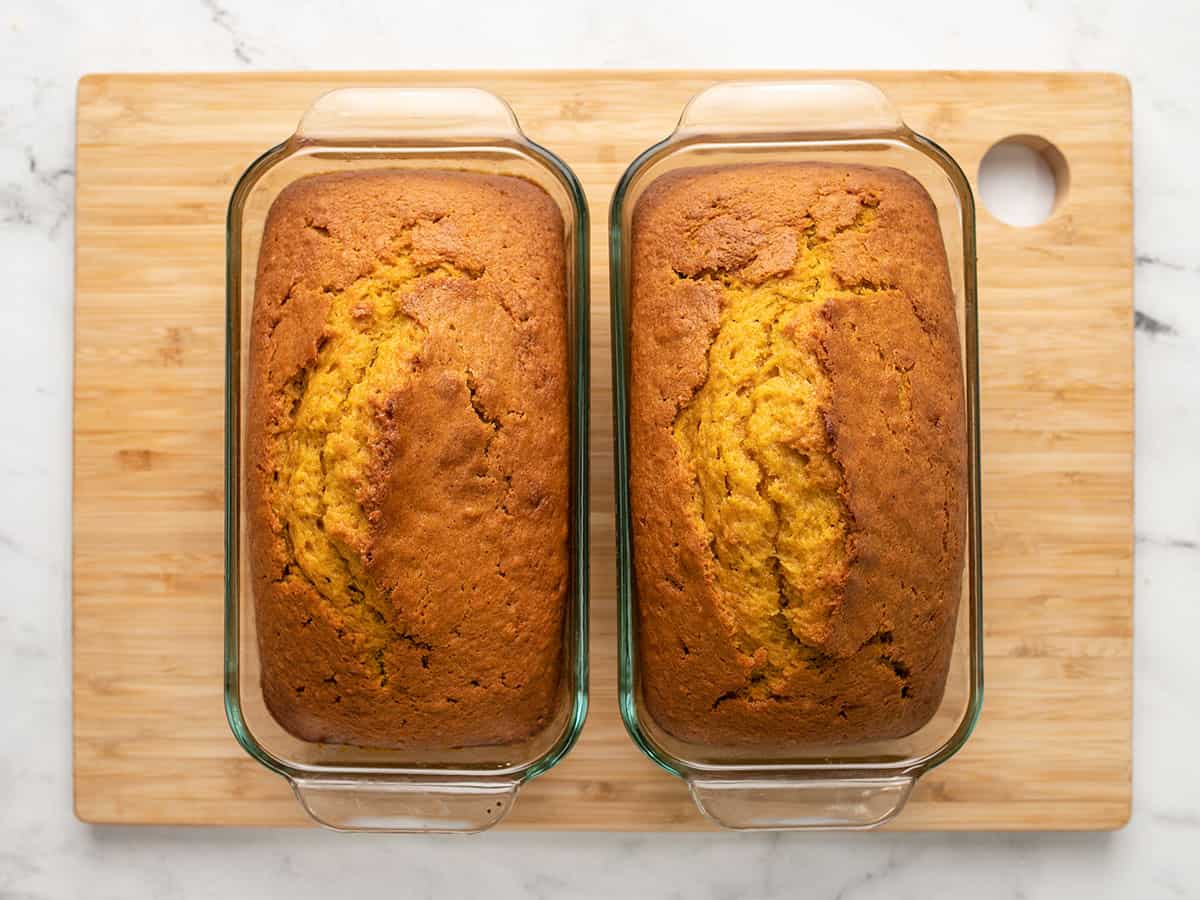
{"x":157,"y":159}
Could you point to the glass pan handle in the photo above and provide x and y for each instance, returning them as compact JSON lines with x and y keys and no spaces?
{"x":391,"y":114}
{"x":804,"y":109}
{"x":793,"y":804}
{"x":401,"y":805}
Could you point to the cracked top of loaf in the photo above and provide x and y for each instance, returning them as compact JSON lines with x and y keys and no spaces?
{"x":407,"y":472}
{"x":798,"y":453}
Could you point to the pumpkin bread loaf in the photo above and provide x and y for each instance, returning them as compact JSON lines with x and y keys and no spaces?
{"x":798,"y":454}
{"x":406,"y":467}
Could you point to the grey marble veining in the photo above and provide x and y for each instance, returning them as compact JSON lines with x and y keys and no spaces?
{"x":44,"y":48}
{"x":223,"y":19}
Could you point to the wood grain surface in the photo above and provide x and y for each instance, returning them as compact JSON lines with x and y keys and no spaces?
{"x":157,"y":159}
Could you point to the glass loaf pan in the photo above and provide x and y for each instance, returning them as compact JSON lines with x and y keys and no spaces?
{"x":858,"y":785}
{"x":364,"y":789}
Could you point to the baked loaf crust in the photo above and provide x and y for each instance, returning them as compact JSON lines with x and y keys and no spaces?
{"x":406,"y":463}
{"x":798,"y":454}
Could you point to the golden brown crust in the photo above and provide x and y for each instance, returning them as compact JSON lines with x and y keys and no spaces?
{"x":845,"y":268}
{"x":406,"y":458}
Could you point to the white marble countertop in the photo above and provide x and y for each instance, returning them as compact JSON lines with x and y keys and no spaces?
{"x":46,"y":46}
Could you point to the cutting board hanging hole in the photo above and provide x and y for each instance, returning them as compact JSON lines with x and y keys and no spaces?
{"x":1023,"y":180}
